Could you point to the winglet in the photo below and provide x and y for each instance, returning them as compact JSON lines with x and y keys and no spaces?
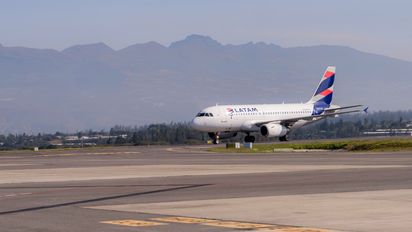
{"x":366,"y":110}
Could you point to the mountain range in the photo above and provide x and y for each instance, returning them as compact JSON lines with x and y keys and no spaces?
{"x":93,"y":86}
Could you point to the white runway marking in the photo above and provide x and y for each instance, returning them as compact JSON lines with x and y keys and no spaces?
{"x":146,"y":171}
{"x":89,"y":153}
{"x":183,"y":150}
{"x":8,"y":165}
{"x":14,"y":195}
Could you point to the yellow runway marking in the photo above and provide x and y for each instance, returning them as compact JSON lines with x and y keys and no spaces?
{"x":294,"y":229}
{"x":186,"y":220}
{"x":134,"y":223}
{"x":238,"y":225}
{"x":213,"y":222}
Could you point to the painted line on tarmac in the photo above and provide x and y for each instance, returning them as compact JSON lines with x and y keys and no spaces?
{"x":185,"y":220}
{"x":16,"y":164}
{"x":90,"y":153}
{"x":133,"y":223}
{"x":14,"y":195}
{"x":295,"y":229}
{"x":215,"y":223}
{"x":239,"y":225}
{"x":183,"y":150}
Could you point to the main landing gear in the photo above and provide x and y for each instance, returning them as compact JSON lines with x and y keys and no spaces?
{"x":283,"y":138}
{"x":249,"y":139}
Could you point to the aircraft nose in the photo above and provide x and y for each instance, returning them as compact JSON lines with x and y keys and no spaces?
{"x":195,"y":123}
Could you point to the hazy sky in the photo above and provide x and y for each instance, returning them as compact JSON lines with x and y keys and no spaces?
{"x":382,"y":27}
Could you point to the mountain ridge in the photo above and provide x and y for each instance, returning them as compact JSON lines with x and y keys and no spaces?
{"x":93,"y":86}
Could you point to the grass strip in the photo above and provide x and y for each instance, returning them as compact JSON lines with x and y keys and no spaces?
{"x":390,"y":144}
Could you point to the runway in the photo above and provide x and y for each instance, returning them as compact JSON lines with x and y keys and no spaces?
{"x":186,"y":188}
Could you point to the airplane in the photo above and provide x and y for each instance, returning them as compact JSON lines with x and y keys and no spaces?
{"x":271,"y":120}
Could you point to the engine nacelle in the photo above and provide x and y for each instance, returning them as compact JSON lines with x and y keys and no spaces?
{"x":222,"y":135}
{"x":273,"y":130}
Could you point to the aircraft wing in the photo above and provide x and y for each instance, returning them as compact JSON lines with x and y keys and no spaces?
{"x":290,"y":121}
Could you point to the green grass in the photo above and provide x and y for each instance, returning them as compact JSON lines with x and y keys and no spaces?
{"x":389,"y":144}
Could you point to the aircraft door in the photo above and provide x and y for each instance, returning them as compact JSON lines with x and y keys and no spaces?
{"x":226,"y":118}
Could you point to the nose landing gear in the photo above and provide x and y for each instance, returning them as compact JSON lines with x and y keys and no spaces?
{"x":215,"y":137}
{"x":216,"y":140}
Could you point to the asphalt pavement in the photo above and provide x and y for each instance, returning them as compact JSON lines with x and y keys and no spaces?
{"x":186,"y":188}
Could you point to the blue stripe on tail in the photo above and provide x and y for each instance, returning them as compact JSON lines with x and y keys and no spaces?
{"x":319,"y":107}
{"x":326,"y":84}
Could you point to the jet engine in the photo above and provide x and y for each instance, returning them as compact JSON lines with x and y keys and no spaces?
{"x":273,"y":130}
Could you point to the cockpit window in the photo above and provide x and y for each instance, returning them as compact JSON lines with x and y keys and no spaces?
{"x":202,"y":114}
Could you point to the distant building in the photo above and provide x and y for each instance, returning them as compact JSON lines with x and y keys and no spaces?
{"x":389,"y":132}
{"x":71,"y":138}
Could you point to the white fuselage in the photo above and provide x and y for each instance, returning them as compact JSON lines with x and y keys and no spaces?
{"x":242,"y":118}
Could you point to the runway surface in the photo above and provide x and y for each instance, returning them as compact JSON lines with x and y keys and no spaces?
{"x":188,"y":189}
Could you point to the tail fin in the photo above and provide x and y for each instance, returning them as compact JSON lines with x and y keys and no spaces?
{"x":324,"y":92}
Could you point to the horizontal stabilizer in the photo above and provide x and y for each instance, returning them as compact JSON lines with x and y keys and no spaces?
{"x":341,"y":108}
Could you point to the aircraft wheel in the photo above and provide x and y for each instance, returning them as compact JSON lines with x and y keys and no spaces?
{"x":216,"y":141}
{"x":283,"y":138}
{"x":249,"y":139}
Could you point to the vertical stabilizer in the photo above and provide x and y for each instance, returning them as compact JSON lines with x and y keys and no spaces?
{"x":322,"y":97}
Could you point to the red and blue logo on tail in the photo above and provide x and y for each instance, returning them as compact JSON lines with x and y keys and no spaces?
{"x":323,"y":95}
